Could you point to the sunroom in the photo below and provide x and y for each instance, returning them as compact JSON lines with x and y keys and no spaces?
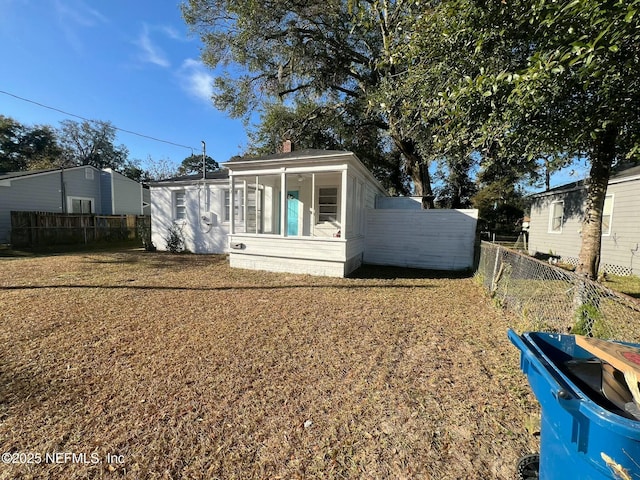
{"x":299,"y":212}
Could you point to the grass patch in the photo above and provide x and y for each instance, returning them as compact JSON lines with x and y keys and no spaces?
{"x":629,"y":285}
{"x":185,"y":368}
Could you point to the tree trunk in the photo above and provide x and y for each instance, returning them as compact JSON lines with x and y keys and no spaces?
{"x":601,"y":161}
{"x":419,"y":170}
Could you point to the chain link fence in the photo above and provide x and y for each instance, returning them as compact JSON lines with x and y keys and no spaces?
{"x":550,"y":299}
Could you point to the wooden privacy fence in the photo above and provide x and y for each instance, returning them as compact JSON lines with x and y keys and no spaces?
{"x":38,"y":229}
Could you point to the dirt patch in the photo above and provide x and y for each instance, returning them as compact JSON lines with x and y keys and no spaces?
{"x":177,"y":366}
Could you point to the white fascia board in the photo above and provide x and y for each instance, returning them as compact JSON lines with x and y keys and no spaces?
{"x":624,"y":179}
{"x":280,"y":161}
{"x":188,"y":183}
{"x":292,"y":170}
{"x":248,"y":173}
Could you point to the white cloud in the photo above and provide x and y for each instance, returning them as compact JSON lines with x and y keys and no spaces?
{"x":79,"y":13}
{"x":196,"y":80}
{"x":170,"y":32}
{"x":75,"y":15}
{"x":150,"y":52}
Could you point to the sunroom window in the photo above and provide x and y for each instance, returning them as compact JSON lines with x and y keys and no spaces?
{"x":238,"y":210}
{"x":327,"y":204}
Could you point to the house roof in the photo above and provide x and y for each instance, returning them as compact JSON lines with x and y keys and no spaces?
{"x":217,"y":175}
{"x":626,"y":172}
{"x":26,"y":173}
{"x":309,"y":158}
{"x":619,"y":175}
{"x":308,"y":154}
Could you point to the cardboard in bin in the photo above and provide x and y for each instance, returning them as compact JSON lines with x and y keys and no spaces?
{"x":584,"y":431}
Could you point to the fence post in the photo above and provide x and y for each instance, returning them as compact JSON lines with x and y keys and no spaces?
{"x":586,"y":308}
{"x":494,"y":283}
{"x":31,"y":229}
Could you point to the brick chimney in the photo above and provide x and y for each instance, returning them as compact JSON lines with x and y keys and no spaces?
{"x":287,"y":146}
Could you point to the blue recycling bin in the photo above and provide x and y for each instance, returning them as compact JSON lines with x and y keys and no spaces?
{"x":586,"y":433}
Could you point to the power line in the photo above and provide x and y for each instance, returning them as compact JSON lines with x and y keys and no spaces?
{"x":89,"y":120}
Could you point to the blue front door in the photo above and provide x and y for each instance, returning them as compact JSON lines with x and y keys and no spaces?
{"x":292,"y":213}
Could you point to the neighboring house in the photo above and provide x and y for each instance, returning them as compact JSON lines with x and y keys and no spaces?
{"x":308,"y":212}
{"x":556,"y":223}
{"x":83,"y":189}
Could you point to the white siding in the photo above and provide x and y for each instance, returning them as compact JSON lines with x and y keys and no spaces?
{"x":287,"y":265}
{"x":289,"y":254}
{"x":201,"y":236}
{"x":431,"y":239}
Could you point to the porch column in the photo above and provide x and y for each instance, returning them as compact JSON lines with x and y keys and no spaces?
{"x":232,"y":199}
{"x":343,"y":205}
{"x":256,"y":193}
{"x":283,"y":204}
{"x":313,"y":205}
{"x":245,"y":197}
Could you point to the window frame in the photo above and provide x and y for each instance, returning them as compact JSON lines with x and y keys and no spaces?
{"x":91,"y":200}
{"x":175,"y":194}
{"x":226,"y":204}
{"x":336,"y":205}
{"x":610,"y":215}
{"x":552,"y":216}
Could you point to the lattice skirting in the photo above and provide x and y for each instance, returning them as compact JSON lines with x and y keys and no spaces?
{"x":616,"y":270}
{"x":606,"y":267}
{"x":570,"y":260}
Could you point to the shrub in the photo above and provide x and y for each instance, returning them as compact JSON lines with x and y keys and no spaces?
{"x":589,"y":321}
{"x":143,"y":229}
{"x":175,"y":239}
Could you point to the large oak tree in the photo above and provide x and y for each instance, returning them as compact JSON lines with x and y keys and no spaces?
{"x":522,"y":81}
{"x":334,"y":53}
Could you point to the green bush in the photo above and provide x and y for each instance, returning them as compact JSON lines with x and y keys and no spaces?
{"x":175,"y":239}
{"x":589,"y":321}
{"x":144,"y":234}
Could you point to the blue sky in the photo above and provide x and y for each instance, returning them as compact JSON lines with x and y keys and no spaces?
{"x":133,"y":63}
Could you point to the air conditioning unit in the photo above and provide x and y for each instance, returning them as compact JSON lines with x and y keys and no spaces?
{"x":209,"y":218}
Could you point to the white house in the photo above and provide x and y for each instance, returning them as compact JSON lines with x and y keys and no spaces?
{"x":308,"y":211}
{"x":556,"y":223}
{"x":301,"y":211}
{"x":296,"y":211}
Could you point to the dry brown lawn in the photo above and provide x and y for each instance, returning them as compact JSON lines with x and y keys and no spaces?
{"x":179,"y":367}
